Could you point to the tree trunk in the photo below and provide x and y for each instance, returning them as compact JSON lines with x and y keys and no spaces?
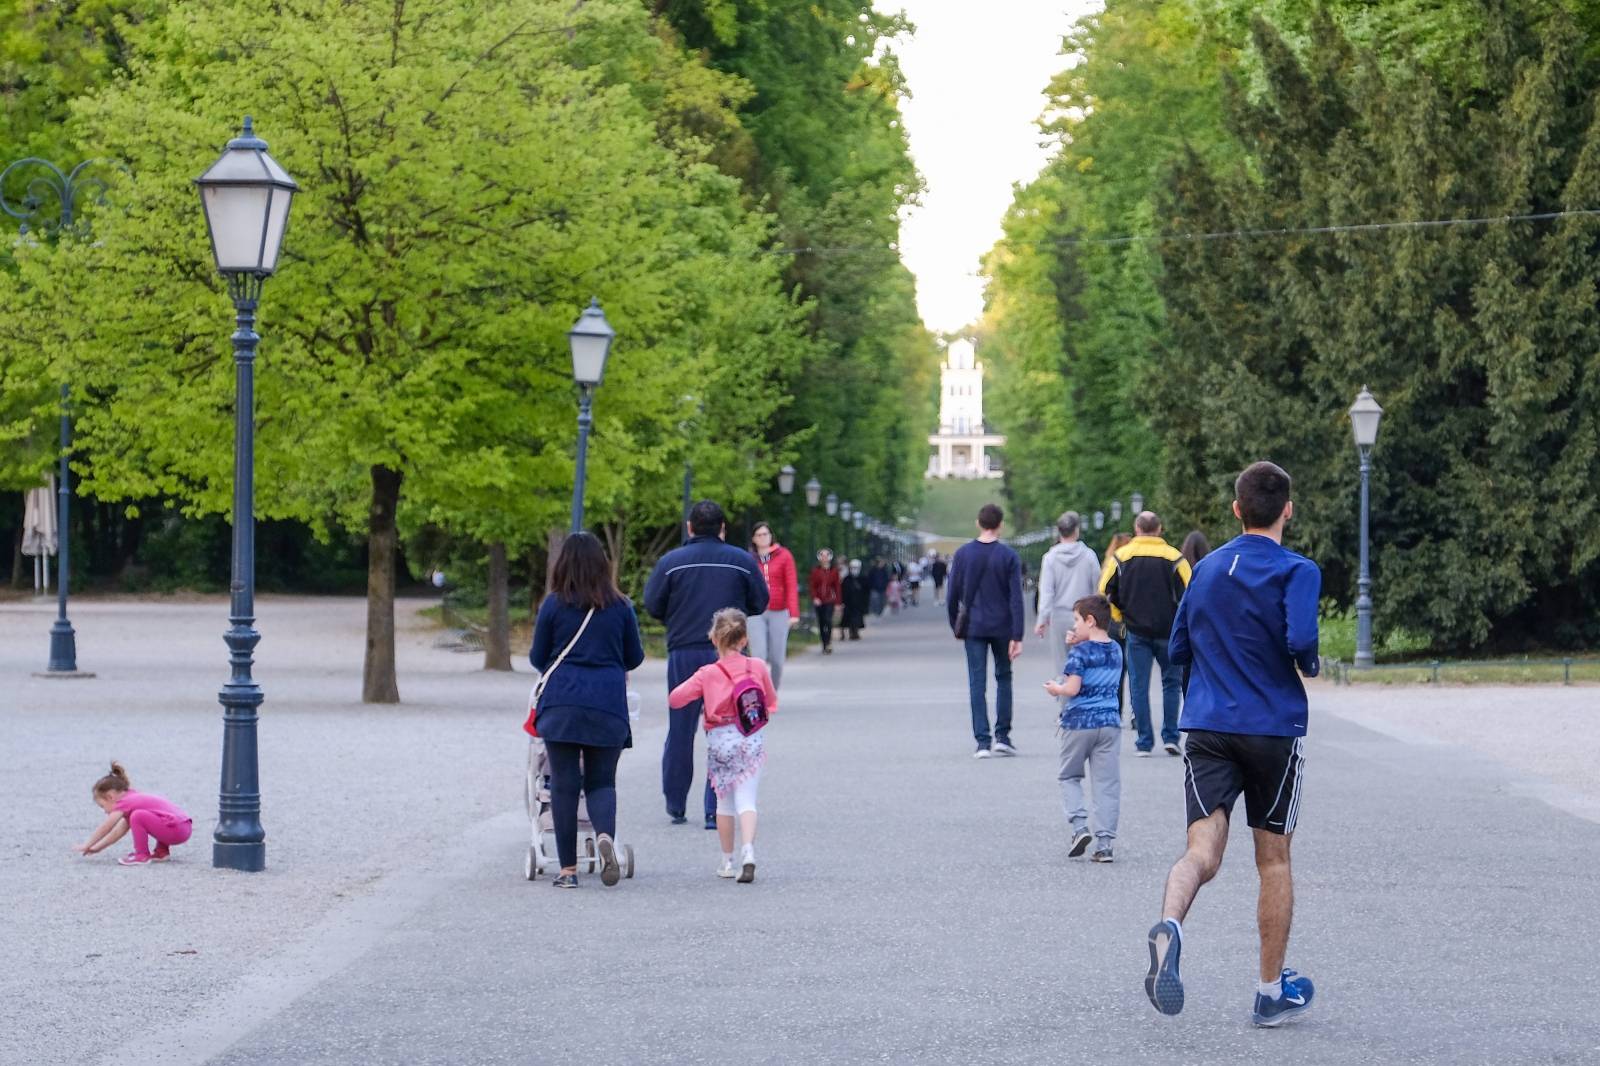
{"x":378,"y":684}
{"x":16,"y":559}
{"x":497,"y":646}
{"x":554,"y":539}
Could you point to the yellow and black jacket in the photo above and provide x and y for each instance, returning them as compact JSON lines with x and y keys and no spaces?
{"x":1144,"y":580}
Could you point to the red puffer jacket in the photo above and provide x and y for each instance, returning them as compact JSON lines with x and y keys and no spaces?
{"x":824,"y":586}
{"x":783,"y":583}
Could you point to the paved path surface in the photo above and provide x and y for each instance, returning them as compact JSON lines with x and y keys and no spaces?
{"x":912,"y":905}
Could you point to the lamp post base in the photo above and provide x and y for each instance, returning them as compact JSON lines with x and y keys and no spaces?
{"x":1363,"y":662}
{"x":62,"y":674}
{"x":63,"y":648}
{"x":251,"y":858}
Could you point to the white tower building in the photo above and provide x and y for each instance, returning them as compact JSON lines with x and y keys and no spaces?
{"x":960,"y":448}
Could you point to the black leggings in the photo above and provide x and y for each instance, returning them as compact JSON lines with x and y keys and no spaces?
{"x":596,"y":777}
{"x":825,"y":623}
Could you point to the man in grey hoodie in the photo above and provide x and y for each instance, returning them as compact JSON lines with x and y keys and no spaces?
{"x":1069,"y":572}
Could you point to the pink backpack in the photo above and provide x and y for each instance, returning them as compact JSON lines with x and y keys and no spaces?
{"x":749,"y":702}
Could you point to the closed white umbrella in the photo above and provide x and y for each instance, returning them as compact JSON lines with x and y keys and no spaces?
{"x":39,"y":529}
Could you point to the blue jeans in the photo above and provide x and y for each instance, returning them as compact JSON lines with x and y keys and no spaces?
{"x":978,"y":649}
{"x":1141,"y":650}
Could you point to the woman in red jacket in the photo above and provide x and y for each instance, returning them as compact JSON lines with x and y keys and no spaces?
{"x":769,"y":632}
{"x":824,"y":584}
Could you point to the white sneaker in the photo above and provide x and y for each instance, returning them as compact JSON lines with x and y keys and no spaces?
{"x":726,"y":869}
{"x":1003,"y":747}
{"x":747,"y":872}
{"x":981,"y":753}
{"x":1141,"y":754}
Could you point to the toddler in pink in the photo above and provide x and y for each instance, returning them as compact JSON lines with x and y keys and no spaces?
{"x":145,"y":815}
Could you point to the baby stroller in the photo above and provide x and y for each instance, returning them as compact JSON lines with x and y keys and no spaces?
{"x":542,"y":843}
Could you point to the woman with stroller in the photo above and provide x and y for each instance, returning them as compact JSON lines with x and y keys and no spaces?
{"x":585,"y":640}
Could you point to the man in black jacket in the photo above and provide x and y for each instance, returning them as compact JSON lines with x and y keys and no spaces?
{"x":687,"y":587}
{"x":1145,"y":582}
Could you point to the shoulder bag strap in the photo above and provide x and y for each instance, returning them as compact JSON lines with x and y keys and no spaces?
{"x":564,"y":651}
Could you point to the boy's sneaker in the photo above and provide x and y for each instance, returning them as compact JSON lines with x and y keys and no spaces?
{"x":1294,"y":997}
{"x":1003,"y":747}
{"x":747,"y":871}
{"x":1162,"y":984}
{"x":727,"y":870}
{"x":1081,"y":839}
{"x":161,"y":854}
{"x":133,"y":858}
{"x":1142,"y":753}
{"x":1103,"y":855}
{"x":566,"y":881}
{"x":1172,"y":748}
{"x":982,"y":753}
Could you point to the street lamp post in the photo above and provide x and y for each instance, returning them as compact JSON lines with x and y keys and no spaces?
{"x":1116,"y":511}
{"x":1365,"y":414}
{"x":786,"y":489}
{"x":1136,"y":503}
{"x":246,"y":197}
{"x":813,"y":497}
{"x":48,"y":181}
{"x":845,"y":512}
{"x":590,"y":339}
{"x":859,"y":520}
{"x":831,"y":505}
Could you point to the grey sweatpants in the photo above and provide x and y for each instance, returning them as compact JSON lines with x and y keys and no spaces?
{"x":1096,"y":752}
{"x":769,"y":640}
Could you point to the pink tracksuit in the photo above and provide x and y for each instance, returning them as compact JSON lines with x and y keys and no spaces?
{"x":152,"y":816}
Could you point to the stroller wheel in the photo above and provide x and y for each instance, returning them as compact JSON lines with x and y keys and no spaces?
{"x":627,"y":860}
{"x":530,"y":865}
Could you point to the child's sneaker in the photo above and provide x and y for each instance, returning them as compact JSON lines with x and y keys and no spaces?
{"x":747,"y":871}
{"x":133,"y":858}
{"x":161,"y":854}
{"x":1294,"y":997}
{"x":726,"y":869}
{"x":1081,"y":839}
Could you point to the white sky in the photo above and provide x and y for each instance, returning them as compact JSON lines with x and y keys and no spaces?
{"x":977,"y":74}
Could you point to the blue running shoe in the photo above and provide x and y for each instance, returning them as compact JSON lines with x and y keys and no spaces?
{"x":1296,"y":999}
{"x":1162,"y":984}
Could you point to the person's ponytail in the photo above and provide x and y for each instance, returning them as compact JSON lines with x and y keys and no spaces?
{"x":115,"y":781}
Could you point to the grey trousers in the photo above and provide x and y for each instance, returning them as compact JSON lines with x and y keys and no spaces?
{"x":769,"y":640}
{"x":1096,"y":752}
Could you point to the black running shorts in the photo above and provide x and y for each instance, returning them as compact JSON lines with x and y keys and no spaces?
{"x":1267,"y":770}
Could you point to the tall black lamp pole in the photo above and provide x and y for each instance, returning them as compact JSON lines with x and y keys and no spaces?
{"x":246,"y":197}
{"x":1365,"y":414}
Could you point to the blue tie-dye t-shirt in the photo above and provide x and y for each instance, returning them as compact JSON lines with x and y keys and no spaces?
{"x":1097,"y":703}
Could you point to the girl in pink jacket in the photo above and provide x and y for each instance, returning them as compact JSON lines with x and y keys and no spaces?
{"x":145,"y":815}
{"x":734,"y":760}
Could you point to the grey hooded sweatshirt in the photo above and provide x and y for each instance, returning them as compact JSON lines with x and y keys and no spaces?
{"x":1069,"y":572}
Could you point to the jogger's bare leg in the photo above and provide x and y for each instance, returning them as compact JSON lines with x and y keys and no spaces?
{"x":1199,"y":864}
{"x":1275,"y":910}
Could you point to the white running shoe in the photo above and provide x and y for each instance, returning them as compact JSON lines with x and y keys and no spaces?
{"x":726,"y":869}
{"x":981,"y":753}
{"x":1003,"y":747}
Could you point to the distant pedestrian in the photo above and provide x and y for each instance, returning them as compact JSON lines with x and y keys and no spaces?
{"x":985,"y":611}
{"x":734,"y":758}
{"x":1195,"y":547}
{"x":825,"y":595}
{"x":855,"y":598}
{"x":893,"y":594}
{"x":877,"y":587}
{"x":913,"y":582}
{"x":687,"y":587}
{"x":1090,"y":733}
{"x":1069,"y":571}
{"x":1146,"y":584}
{"x":144,"y":814}
{"x":585,"y":640}
{"x":1248,"y":623}
{"x":938,"y":570}
{"x":769,"y":631}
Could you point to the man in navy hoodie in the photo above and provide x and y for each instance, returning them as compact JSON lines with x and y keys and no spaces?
{"x":1247,"y":623}
{"x":687,"y":587}
{"x":986,"y":580}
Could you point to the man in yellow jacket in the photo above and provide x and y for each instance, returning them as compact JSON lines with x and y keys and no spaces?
{"x":1144,"y":580}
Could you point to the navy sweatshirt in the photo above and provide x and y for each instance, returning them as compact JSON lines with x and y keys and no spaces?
{"x":1248,"y":620}
{"x":694,"y":582}
{"x":989,"y":578}
{"x":594,"y":674}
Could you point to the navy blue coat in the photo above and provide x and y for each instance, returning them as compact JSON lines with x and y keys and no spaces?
{"x":592,"y":679}
{"x":989,"y":578}
{"x":694,"y":582}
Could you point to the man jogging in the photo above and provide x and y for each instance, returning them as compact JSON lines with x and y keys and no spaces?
{"x":1249,"y":619}
{"x":687,"y":587}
